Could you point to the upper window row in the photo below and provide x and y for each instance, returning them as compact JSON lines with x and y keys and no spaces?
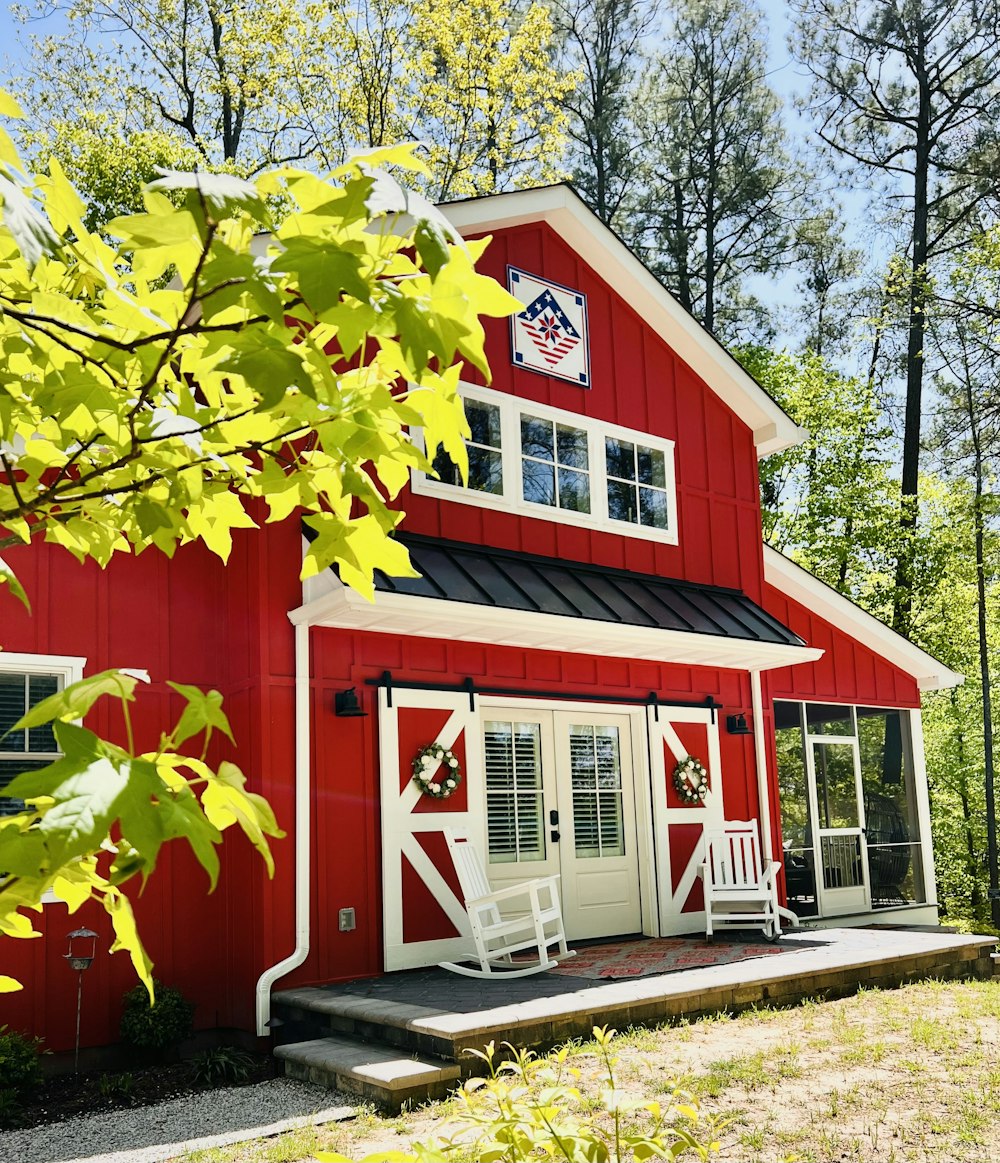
{"x":562,"y":466}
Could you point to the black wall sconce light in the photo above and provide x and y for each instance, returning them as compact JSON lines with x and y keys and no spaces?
{"x":738,"y":725}
{"x":346,"y":705}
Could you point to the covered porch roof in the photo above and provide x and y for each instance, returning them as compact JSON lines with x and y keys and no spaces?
{"x":473,"y":593}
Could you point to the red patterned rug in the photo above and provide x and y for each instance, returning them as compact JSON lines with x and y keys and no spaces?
{"x":659,"y":955}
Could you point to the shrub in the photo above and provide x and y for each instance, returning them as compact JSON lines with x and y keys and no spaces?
{"x":221,"y":1064}
{"x":19,"y":1069}
{"x":10,"y":1107}
{"x":117,"y":1088}
{"x":160,"y":1026}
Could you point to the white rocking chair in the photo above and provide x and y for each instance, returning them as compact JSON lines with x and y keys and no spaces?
{"x":738,"y":890}
{"x":537,"y":924}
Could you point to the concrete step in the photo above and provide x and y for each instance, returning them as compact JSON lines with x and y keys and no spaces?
{"x":311,"y":1012}
{"x":378,"y":1073}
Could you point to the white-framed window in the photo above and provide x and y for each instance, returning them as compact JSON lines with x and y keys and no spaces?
{"x":25,"y":680}
{"x":545,"y":462}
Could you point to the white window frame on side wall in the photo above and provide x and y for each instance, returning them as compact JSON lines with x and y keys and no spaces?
{"x":511,"y":499}
{"x":68,"y":668}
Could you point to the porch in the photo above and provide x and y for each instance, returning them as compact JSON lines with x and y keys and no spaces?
{"x":402,"y":1038}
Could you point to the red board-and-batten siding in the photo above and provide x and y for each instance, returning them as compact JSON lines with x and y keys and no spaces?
{"x":639,"y":383}
{"x":192,"y":620}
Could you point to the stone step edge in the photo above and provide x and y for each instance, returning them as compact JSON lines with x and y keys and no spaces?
{"x":367,"y":1064}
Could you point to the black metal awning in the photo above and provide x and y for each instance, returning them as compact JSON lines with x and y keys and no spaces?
{"x":500,"y":579}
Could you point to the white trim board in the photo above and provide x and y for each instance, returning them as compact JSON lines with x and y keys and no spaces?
{"x":561,"y":209}
{"x":800,"y":585}
{"x":409,"y":614}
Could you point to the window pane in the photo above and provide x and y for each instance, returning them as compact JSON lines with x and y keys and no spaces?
{"x":8,"y":769}
{"x":485,"y":470}
{"x":484,"y":423}
{"x":572,"y":446}
{"x":792,"y":782}
{"x":653,"y":508}
{"x":514,"y":803}
{"x":538,"y":482}
{"x":596,"y":779}
{"x":621,"y":501}
{"x":536,"y":438}
{"x":652,"y":468}
{"x":836,"y":790}
{"x":13,"y":704}
{"x":800,"y":881}
{"x":620,"y":458}
{"x":40,"y":686}
{"x":828,"y":719}
{"x":574,"y":490}
{"x":891,"y":823}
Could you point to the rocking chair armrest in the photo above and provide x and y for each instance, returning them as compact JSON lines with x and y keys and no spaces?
{"x":523,"y":888}
{"x":702,"y":870}
{"x":771,"y":870}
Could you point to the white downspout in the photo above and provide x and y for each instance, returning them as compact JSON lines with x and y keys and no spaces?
{"x":303,"y":826}
{"x":763,"y":794}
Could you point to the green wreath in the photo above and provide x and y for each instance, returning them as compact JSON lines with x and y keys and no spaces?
{"x":691,"y":780}
{"x":426,"y":761}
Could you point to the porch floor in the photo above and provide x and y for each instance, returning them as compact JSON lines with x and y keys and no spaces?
{"x":440,"y":1015}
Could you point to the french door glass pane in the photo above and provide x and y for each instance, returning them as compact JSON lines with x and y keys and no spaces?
{"x":515,"y":822}
{"x":836,"y":789}
{"x":596,"y":781}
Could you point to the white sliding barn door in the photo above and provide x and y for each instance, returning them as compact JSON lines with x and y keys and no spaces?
{"x":674,"y":733}
{"x":424,"y":920}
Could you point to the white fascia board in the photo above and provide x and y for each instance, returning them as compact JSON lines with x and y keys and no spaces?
{"x":421,"y":617}
{"x":815,"y":595}
{"x":602,"y":250}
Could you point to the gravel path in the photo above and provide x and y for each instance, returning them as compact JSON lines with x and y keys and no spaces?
{"x":152,"y":1133}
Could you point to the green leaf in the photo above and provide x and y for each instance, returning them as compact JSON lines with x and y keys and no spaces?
{"x":8,"y":577}
{"x":203,"y":712}
{"x":28,"y":226}
{"x":75,"y":700}
{"x":225,"y":193}
{"x":117,"y":905}
{"x":323,"y":272}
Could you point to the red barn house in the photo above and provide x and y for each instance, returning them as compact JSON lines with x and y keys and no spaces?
{"x":595,"y":604}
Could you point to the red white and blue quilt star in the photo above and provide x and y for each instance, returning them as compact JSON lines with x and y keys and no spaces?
{"x":550,"y":334}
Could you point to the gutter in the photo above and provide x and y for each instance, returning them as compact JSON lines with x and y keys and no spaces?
{"x":303,"y":829}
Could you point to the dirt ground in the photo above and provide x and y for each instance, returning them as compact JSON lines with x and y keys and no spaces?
{"x":901,"y":1075}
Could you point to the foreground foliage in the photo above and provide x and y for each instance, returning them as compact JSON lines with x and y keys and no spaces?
{"x":152,"y":393}
{"x":528,"y":1107}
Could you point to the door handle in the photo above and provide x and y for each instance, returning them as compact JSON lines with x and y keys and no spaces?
{"x":554,"y":817}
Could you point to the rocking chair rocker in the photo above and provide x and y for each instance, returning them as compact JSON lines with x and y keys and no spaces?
{"x":537,"y":924}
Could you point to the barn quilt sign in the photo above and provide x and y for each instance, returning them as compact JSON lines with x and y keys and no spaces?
{"x":550,"y":335}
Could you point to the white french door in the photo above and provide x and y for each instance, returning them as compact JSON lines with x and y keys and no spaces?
{"x":560,"y":798}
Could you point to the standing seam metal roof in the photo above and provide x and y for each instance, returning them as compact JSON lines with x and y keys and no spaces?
{"x":479,"y":575}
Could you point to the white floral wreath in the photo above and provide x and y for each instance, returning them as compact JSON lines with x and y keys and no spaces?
{"x":424,"y":764}
{"x":691,"y":780}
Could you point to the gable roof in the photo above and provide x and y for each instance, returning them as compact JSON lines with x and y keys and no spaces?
{"x":806,"y":589}
{"x":561,"y":208}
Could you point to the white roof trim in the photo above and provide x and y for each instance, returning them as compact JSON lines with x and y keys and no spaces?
{"x":601,"y":249}
{"x":342,"y":608}
{"x":796,"y":582}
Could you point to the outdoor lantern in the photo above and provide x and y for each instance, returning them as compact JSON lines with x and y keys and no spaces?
{"x":80,"y":956}
{"x":346,"y":705}
{"x":737,"y":724}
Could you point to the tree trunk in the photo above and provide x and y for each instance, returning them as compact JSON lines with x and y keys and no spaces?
{"x":984,"y":657}
{"x":903,"y":601}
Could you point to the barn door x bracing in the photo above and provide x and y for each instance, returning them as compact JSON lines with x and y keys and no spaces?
{"x":674,"y":733}
{"x":423,"y":916}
